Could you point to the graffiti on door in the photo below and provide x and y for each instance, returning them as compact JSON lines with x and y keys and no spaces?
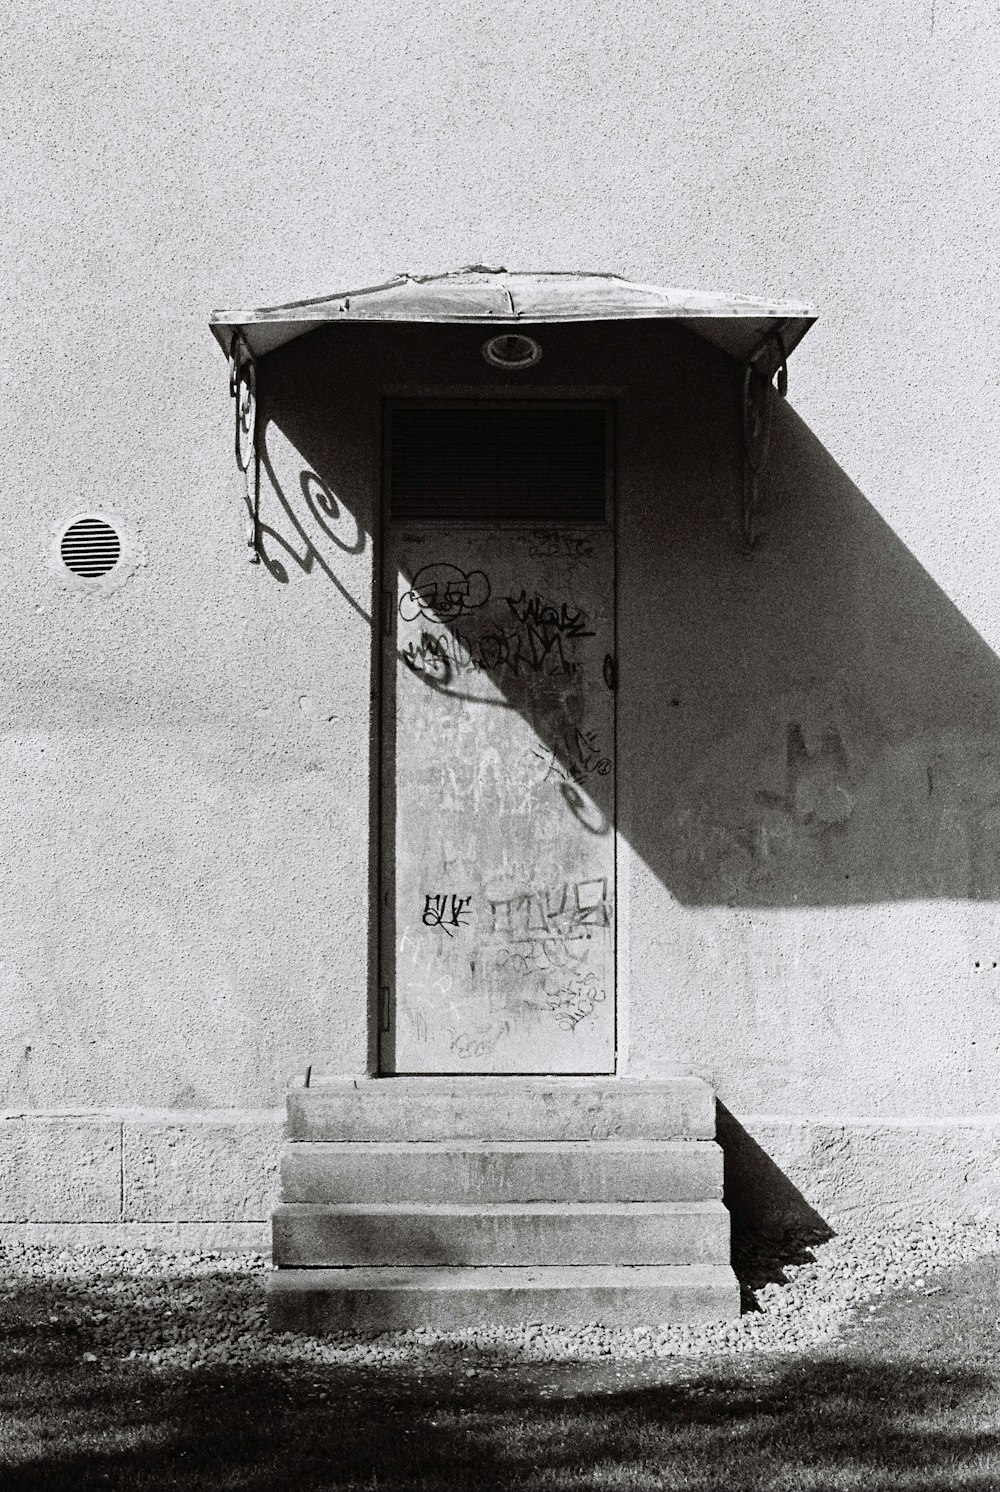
{"x":502,"y":731}
{"x":525,"y":634}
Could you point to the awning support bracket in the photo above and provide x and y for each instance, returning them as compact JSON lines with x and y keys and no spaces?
{"x":243,"y":391}
{"x":758,"y":413}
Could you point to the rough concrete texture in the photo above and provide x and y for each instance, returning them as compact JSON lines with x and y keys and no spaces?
{"x":810,"y":845}
{"x":515,"y":1233}
{"x":166,"y":1238}
{"x":526,"y":1171}
{"x":139,"y":1169}
{"x":323,"y":1300}
{"x":851,"y":1173}
{"x":60,"y":1168}
{"x":200,"y":1166}
{"x":502,"y":1109}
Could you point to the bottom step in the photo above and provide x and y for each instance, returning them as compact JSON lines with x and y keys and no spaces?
{"x":399,"y":1299}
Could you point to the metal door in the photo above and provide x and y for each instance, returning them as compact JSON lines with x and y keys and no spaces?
{"x":498,"y":863}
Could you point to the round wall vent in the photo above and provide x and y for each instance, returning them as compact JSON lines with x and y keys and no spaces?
{"x":90,"y":547}
{"x":512,"y":350}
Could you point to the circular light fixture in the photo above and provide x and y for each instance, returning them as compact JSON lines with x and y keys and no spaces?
{"x":512,"y":350}
{"x":90,"y":547}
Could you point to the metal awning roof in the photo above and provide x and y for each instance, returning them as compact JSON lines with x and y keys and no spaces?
{"x":741,"y":326}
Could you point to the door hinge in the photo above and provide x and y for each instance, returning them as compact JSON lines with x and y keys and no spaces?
{"x":388,"y":608}
{"x":383,"y":1008}
{"x":610,"y":672}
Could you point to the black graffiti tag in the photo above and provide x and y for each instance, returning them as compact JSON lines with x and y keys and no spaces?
{"x":579,"y":757}
{"x":531,"y":650}
{"x":446,"y":912}
{"x":547,"y":618}
{"x":444,"y":592}
{"x":438,"y":655}
{"x":441,"y":655}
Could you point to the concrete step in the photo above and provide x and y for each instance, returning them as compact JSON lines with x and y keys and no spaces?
{"x":328,"y":1300}
{"x":504,"y":1233}
{"x":506,"y":1171}
{"x":536,"y":1108}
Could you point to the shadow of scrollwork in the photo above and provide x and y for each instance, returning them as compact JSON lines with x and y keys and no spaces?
{"x":326,"y":511}
{"x":321,"y":506}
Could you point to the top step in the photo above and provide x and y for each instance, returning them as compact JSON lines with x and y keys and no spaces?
{"x":492,"y":1108}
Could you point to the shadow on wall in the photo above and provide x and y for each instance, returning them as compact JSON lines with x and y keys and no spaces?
{"x":814,"y":723}
{"x":314,"y":521}
{"x":830,"y":717}
{"x":758,"y":1194}
{"x":810,"y":724}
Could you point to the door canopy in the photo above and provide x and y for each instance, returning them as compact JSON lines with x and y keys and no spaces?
{"x":758,"y":332}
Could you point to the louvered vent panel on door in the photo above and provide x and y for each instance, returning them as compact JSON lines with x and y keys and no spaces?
{"x":522,"y":464}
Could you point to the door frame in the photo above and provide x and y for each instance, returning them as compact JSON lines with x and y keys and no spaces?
{"x":606,"y":399}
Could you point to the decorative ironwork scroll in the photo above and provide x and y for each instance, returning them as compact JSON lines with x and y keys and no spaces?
{"x":243,"y":389}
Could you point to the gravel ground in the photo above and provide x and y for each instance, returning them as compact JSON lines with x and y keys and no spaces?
{"x":196,"y":1310}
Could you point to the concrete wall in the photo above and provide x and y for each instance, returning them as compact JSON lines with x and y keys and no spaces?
{"x":810,"y":873}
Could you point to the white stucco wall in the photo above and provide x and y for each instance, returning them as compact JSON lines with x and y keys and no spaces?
{"x":184,"y":913}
